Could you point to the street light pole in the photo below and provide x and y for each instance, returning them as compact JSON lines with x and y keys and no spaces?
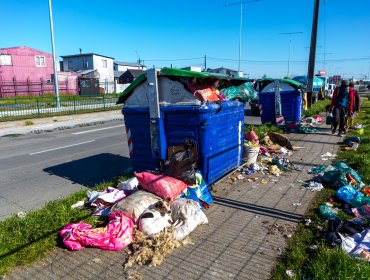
{"x":56,"y":86}
{"x":241,"y":25}
{"x":290,"y":45}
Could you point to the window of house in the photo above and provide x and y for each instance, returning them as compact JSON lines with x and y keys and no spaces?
{"x":5,"y":59}
{"x":70,"y":64}
{"x":85,"y":64}
{"x":40,"y":61}
{"x":104,"y":63}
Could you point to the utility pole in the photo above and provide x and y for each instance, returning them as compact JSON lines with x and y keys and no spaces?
{"x":56,"y":86}
{"x":311,"y":61}
{"x":290,"y":45}
{"x":205,"y":63}
{"x":241,"y":24}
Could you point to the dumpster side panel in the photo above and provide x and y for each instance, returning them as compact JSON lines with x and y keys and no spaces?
{"x":137,"y":123}
{"x":291,"y":105}
{"x":218,"y":134}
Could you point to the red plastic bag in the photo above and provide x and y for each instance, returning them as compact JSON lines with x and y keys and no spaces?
{"x":251,"y":136}
{"x":206,"y":95}
{"x":161,"y":185}
{"x":115,"y":236}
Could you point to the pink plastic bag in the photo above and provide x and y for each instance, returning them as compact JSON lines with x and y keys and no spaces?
{"x":161,"y":185}
{"x":251,"y":136}
{"x":115,"y":236}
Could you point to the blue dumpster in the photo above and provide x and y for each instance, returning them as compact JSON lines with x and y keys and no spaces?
{"x":291,"y":102}
{"x":217,"y":129}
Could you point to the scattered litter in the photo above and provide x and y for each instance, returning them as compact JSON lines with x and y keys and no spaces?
{"x":317,"y":169}
{"x":328,"y":156}
{"x":274,"y":170}
{"x":315,"y":186}
{"x":307,"y":221}
{"x":358,"y":126}
{"x":134,"y":275}
{"x":240,"y":177}
{"x":145,"y":250}
{"x":22,"y":214}
{"x":290,"y":273}
{"x":301,"y":182}
{"x":78,"y":204}
{"x":263,"y":182}
{"x":313,"y":247}
{"x":296,"y":204}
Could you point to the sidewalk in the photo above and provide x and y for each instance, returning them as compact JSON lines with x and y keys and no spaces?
{"x":58,"y":122}
{"x":249,"y":225}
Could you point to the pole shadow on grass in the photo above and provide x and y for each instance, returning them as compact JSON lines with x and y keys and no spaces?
{"x":93,"y":170}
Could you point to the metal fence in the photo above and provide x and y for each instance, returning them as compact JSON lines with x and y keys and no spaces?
{"x":41,"y":106}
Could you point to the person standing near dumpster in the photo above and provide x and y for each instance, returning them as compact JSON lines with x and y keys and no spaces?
{"x":341,"y":104}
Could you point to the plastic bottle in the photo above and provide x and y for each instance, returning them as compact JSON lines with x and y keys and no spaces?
{"x":327,"y":212}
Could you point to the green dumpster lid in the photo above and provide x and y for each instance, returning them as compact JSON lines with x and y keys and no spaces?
{"x":176,"y":73}
{"x":288,"y":81}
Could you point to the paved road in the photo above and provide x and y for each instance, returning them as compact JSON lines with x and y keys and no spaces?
{"x":37,"y":168}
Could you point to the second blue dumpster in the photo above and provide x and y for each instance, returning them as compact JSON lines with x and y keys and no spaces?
{"x":217,"y":128}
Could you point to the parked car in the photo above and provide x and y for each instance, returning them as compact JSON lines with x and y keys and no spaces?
{"x":330,"y":91}
{"x":255,"y":106}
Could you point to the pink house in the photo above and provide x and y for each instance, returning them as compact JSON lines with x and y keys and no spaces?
{"x":26,"y":71}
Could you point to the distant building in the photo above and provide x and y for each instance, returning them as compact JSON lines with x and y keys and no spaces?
{"x":101,"y":66}
{"x":24,"y":63}
{"x":193,"y":68}
{"x":226,"y":71}
{"x":120,"y":68}
{"x":27,"y":71}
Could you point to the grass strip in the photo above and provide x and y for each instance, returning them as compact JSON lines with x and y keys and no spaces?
{"x":25,"y":240}
{"x":316,"y":108}
{"x":324,"y":262}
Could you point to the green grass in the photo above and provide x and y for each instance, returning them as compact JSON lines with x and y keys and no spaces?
{"x":51,"y":98}
{"x":316,"y":108}
{"x":325,"y":262}
{"x":28,"y":122}
{"x":25,"y":240}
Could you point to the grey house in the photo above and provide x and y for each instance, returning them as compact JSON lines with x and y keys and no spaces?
{"x":101,"y":65}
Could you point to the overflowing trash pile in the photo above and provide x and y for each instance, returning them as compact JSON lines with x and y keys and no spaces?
{"x":152,"y":213}
{"x":348,"y":212}
{"x":268,"y":156}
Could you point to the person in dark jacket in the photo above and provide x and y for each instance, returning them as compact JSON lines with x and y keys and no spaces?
{"x":341,"y":104}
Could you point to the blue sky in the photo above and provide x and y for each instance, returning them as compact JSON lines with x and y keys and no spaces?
{"x":180,"y":33}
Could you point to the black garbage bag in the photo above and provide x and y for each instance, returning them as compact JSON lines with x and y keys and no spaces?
{"x":182,"y":164}
{"x":331,"y":235}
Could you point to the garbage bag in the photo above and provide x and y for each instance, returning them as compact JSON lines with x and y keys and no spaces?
{"x":135,"y":204}
{"x":231,"y":92}
{"x":187,"y":215}
{"x":182,"y":164}
{"x":335,"y":176}
{"x":128,"y":185}
{"x":327,"y":212}
{"x":348,"y":193}
{"x":199,"y":192}
{"x":329,"y":119}
{"x":161,"y":185}
{"x":115,"y":236}
{"x":247,"y":92}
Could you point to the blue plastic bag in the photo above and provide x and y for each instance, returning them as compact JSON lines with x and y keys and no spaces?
{"x":199,"y":192}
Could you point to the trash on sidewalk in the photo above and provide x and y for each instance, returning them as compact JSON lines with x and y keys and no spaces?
{"x":314,"y":186}
{"x":274,"y":170}
{"x":276,"y":138}
{"x":328,"y":156}
{"x":115,"y":236}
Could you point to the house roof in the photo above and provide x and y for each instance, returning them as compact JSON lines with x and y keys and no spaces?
{"x":221,"y":68}
{"x":84,"y":72}
{"x":85,"y":54}
{"x":118,"y":74}
{"x":129,"y":64}
{"x":135,"y":73}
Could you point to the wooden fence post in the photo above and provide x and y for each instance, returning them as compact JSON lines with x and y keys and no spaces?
{"x":15,"y":86}
{"x":42,"y":86}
